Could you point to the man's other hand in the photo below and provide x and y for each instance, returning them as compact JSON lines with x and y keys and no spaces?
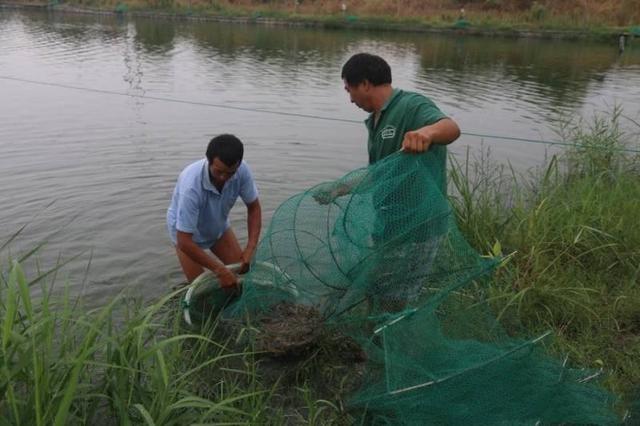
{"x":228,"y":280}
{"x":245,"y":261}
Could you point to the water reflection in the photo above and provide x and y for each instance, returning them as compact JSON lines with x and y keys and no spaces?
{"x":555,"y":73}
{"x":153,"y":37}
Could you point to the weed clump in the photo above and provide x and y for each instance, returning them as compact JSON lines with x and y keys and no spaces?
{"x":570,"y":242}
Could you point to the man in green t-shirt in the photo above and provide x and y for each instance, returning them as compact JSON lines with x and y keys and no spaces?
{"x":398,"y":121}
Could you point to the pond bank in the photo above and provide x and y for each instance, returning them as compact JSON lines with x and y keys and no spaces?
{"x":344,"y":22}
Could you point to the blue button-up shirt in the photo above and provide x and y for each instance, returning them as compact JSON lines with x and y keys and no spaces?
{"x":198,"y":208}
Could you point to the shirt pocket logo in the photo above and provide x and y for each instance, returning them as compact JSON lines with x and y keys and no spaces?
{"x":388,"y":132}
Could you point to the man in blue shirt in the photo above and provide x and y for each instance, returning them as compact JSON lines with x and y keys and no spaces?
{"x":198,"y":217}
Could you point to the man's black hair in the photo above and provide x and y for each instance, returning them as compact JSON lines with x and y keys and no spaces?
{"x":227,"y":148}
{"x":365,"y":66}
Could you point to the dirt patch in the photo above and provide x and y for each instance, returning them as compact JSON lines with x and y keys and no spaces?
{"x":288,"y":329}
{"x":291,"y":330}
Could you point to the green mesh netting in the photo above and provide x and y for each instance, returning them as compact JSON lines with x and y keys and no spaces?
{"x":385,"y":264}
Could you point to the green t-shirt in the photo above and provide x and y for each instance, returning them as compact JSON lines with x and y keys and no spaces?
{"x":404,"y":112}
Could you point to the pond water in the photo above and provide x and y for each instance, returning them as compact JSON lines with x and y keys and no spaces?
{"x":98,"y":115}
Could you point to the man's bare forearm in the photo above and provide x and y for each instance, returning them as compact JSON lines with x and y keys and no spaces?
{"x":254,"y":224}
{"x":442,"y":132}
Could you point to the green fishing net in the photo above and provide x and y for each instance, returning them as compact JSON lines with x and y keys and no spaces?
{"x":377,"y":255}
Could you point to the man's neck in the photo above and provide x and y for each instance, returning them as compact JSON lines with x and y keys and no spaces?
{"x":215,"y":184}
{"x":380,"y":97}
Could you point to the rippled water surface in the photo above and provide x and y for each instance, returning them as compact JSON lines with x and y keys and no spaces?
{"x":99,"y":115}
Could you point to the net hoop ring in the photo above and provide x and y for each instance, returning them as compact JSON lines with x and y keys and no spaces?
{"x":234,"y":267}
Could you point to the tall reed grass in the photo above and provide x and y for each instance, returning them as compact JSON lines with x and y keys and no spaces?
{"x":125,"y":363}
{"x":571,"y":242}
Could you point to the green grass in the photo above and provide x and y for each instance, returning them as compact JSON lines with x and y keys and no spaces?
{"x":571,"y":240}
{"x":126,"y":363}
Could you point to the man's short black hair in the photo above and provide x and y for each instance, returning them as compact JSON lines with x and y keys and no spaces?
{"x":227,"y":148}
{"x":365,"y":66}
